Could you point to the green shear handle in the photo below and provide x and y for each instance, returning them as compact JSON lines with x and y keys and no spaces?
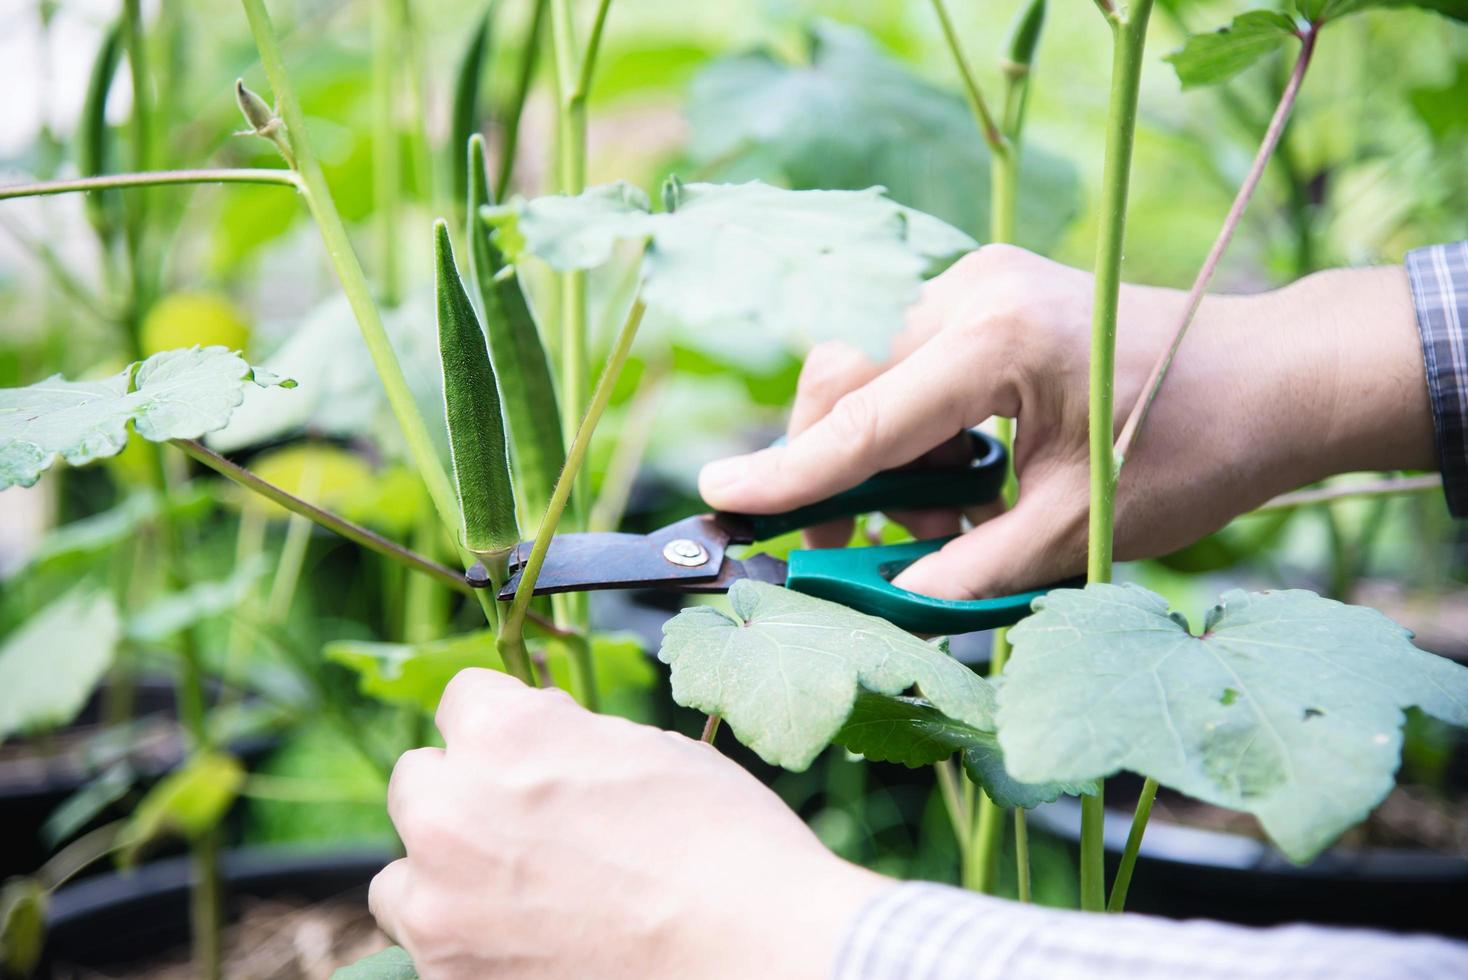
{"x":861,"y":577}
{"x":978,"y":481}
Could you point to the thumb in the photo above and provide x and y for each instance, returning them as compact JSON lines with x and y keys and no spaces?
{"x":1031,"y":546}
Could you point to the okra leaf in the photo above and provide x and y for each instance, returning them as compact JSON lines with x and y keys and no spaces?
{"x":516,"y":351}
{"x":23,"y":904}
{"x":392,"y":963}
{"x":1321,"y":11}
{"x":187,"y":802}
{"x":807,"y":265}
{"x":913,"y":732}
{"x":176,"y":394}
{"x":848,"y":117}
{"x":413,"y":674}
{"x":467,"y":83}
{"x":1206,"y":59}
{"x":51,"y":664}
{"x":1288,"y":706}
{"x":785,"y":669}
{"x":471,"y":398}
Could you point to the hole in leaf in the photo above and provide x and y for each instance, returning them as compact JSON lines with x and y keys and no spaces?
{"x":1312,"y":713}
{"x":1229,"y":696}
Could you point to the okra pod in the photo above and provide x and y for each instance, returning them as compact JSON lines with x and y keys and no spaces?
{"x":476,"y":424}
{"x":92,"y":135}
{"x":469,"y":80}
{"x":517,"y":352}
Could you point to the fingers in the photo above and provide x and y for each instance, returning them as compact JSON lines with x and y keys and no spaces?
{"x":830,"y":371}
{"x":1037,"y":543}
{"x":471,"y":699}
{"x":387,"y":895}
{"x":415,"y":777}
{"x":952,"y":381}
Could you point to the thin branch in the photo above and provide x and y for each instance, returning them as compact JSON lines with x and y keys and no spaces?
{"x":333,"y":522}
{"x":710,"y":729}
{"x":992,"y":134}
{"x":512,"y":643}
{"x":1225,"y":235}
{"x":588,"y":57}
{"x":368,"y":539}
{"x":153,"y":178}
{"x":1361,"y":491}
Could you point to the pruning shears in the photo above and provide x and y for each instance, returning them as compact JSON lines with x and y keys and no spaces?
{"x":691,"y":555}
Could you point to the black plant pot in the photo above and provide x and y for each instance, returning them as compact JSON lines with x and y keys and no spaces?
{"x":1188,"y":872}
{"x":115,"y":919}
{"x":34,"y":783}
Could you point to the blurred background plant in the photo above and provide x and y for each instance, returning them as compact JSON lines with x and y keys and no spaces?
{"x":323,"y":660}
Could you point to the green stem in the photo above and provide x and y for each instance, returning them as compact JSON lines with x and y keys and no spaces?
{"x":982,"y":857}
{"x":1129,"y":35}
{"x":370,"y":540}
{"x":512,"y":640}
{"x":206,"y":905}
{"x":992,"y":133}
{"x":1022,"y":853}
{"x":349,"y":273}
{"x":387,"y":164}
{"x":953,"y":803}
{"x":710,"y":729}
{"x":1133,"y":845}
{"x":510,"y":141}
{"x":1389,"y":486}
{"x":152,"y":178}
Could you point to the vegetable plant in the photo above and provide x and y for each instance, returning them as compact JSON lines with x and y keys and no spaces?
{"x":1096,"y":681}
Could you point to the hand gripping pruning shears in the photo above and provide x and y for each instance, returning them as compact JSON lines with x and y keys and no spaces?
{"x":691,"y":555}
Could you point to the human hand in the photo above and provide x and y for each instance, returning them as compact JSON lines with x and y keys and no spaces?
{"x":547,"y":842}
{"x":1268,"y":392}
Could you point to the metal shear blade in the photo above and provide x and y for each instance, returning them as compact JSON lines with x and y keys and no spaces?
{"x":689,"y":556}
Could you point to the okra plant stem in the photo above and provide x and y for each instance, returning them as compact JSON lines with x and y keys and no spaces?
{"x":152,"y":178}
{"x":992,"y":133}
{"x":1271,"y":139}
{"x":349,"y":272}
{"x":512,"y":640}
{"x":1129,"y":36}
{"x":510,"y":142}
{"x":981,"y":832}
{"x":387,"y":162}
{"x":1133,"y":845}
{"x":1138,"y":415}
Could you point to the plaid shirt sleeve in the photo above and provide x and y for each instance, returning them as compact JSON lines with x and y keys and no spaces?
{"x":1439,"y":278}
{"x":921,"y":931}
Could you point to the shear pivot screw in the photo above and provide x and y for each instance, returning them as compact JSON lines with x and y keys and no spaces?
{"x":682,"y":551}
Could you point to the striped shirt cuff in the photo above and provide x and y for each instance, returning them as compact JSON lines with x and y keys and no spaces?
{"x":1439,"y":278}
{"x":919,"y":931}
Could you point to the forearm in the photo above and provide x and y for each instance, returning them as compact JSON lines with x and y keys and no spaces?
{"x":1364,"y":403}
{"x":939,"y":933}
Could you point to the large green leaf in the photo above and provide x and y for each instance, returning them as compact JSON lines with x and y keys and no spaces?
{"x":913,"y":732}
{"x":785,"y":669}
{"x":1288,"y":706}
{"x":392,"y":963}
{"x":177,"y":394}
{"x":851,"y":117}
{"x":187,"y":802}
{"x":52,"y":663}
{"x":806,"y":265}
{"x":413,"y":674}
{"x":1206,"y":59}
{"x":1328,"y":10}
